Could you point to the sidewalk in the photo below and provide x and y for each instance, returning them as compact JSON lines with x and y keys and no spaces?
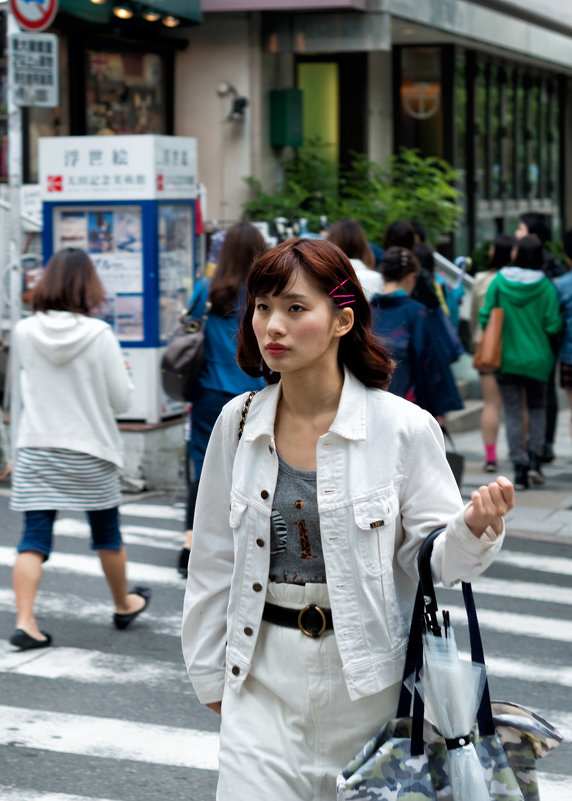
{"x":543,"y":512}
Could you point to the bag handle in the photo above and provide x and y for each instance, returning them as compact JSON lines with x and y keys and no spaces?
{"x":426,"y":602}
{"x":244,"y":414}
{"x":414,"y":654}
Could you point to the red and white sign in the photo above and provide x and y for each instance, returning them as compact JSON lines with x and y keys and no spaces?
{"x":55,"y":183}
{"x":34,"y":15}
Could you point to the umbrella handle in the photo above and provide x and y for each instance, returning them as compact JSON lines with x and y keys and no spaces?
{"x":484,"y":715}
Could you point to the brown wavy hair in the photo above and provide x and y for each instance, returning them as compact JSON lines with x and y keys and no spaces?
{"x":325,"y":266}
{"x":242,"y":243}
{"x":69,"y":283}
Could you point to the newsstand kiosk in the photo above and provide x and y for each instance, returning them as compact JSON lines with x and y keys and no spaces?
{"x":129,"y":201}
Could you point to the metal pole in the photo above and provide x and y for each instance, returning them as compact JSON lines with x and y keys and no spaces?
{"x":15,"y":182}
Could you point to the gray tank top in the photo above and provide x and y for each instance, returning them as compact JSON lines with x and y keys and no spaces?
{"x":296,"y":547}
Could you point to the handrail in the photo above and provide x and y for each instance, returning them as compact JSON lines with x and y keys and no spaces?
{"x":453,"y":271}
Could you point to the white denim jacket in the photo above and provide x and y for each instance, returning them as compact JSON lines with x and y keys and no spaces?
{"x":383,"y":485}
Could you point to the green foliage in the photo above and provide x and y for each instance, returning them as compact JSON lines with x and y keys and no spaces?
{"x":308,"y":189}
{"x":556,"y":249}
{"x":423,"y":189}
{"x":409,"y":186}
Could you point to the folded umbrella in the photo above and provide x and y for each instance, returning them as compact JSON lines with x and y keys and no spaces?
{"x":451,"y":689}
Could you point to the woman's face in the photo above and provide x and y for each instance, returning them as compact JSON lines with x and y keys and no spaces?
{"x":298,"y":329}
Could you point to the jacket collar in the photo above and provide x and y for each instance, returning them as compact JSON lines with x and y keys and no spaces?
{"x":349,"y":422}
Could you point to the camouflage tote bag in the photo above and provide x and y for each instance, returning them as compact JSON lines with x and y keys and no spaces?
{"x":386,"y":770}
{"x":407,"y":759}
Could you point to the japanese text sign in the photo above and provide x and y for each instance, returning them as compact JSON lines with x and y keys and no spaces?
{"x":33,"y":65}
{"x":145,"y":167}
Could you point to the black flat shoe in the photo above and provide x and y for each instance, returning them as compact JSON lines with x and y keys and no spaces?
{"x":183,"y":566}
{"x":24,"y":642}
{"x":122,"y":621}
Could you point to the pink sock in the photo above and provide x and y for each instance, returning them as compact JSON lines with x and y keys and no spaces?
{"x":491,"y":453}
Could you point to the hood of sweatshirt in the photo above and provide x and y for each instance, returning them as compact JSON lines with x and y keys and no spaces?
{"x":60,"y":335}
{"x":522,"y":286}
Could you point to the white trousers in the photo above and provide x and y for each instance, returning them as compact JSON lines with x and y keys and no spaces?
{"x":291,"y":729}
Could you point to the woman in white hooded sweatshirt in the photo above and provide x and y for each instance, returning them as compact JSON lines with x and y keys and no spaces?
{"x":70,"y":381}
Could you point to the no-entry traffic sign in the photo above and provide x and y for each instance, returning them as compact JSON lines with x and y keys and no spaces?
{"x":34,"y":15}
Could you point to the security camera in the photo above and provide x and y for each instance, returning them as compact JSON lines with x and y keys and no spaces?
{"x":239,"y":105}
{"x":224,"y":88}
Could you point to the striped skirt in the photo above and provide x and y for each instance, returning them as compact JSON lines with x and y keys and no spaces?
{"x":53,"y":478}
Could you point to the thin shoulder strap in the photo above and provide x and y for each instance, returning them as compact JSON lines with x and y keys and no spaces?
{"x":202,"y":298}
{"x":244,"y":414}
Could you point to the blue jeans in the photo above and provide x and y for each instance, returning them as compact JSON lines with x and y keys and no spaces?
{"x":39,"y":528}
{"x":206,"y":406}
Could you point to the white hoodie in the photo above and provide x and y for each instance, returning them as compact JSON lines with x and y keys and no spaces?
{"x":71,"y":379}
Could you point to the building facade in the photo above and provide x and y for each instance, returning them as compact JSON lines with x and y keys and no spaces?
{"x":484,"y":83}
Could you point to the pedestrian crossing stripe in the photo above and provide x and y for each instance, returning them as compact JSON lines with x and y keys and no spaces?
{"x":108,"y":738}
{"x":89,"y":666}
{"x":11,"y":794}
{"x":525,"y":671}
{"x":141,"y":572}
{"x":552,"y":786}
{"x":154,"y":511}
{"x":86,"y":665}
{"x":89,"y":565}
{"x":526,"y":590}
{"x":55,"y":606}
{"x":129,"y":740}
{"x":148,"y":536}
{"x":527,"y":625}
{"x":535,"y":561}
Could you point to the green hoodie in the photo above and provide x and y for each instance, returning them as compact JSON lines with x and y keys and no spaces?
{"x":531,"y":317}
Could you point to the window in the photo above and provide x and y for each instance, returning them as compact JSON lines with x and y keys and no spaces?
{"x":421,"y":100}
{"x":125,"y":93}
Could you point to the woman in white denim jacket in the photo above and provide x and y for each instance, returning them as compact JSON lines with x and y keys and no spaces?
{"x":366,"y":471}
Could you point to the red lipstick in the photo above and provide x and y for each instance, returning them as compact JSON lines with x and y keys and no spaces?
{"x":275,"y":348}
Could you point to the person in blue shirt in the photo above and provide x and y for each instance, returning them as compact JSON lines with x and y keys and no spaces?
{"x":422,"y":372}
{"x":220,"y":378}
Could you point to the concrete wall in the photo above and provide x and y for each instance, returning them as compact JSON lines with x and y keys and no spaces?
{"x":219,"y":50}
{"x":229,"y":48}
{"x":380,"y":107}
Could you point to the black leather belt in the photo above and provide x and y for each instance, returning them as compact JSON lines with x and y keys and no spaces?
{"x":312,"y":620}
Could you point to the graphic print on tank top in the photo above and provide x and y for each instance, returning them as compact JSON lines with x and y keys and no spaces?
{"x":296,"y":547}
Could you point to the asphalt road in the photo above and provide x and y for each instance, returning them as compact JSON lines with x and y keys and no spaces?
{"x":111,"y":716}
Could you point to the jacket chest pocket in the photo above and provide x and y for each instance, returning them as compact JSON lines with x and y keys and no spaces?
{"x":375,"y":521}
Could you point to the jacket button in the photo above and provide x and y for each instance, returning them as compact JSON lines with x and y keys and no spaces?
{"x":257,"y":587}
{"x":264,"y":495}
{"x":248,"y":631}
{"x":235,"y":670}
{"x":260,"y":543}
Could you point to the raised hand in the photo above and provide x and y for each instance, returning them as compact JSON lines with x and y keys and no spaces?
{"x":489,"y":504}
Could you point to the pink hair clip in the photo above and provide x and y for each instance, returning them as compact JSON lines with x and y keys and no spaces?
{"x":345,"y":303}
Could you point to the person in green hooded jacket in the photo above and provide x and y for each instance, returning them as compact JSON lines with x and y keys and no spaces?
{"x":531,"y":323}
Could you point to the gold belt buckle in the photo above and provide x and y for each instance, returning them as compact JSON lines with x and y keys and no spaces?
{"x":303,"y":629}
